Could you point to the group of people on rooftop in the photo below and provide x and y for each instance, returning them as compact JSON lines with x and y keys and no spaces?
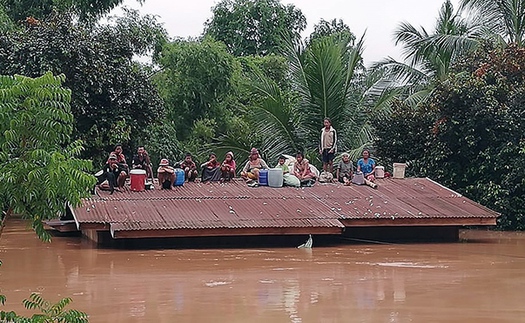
{"x":116,"y":170}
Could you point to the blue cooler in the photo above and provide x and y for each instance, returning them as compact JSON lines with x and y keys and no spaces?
{"x":179,"y":181}
{"x":263,"y":177}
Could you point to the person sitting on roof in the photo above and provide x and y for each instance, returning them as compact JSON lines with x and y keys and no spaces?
{"x":211,"y":170}
{"x":142,"y":161}
{"x":190,"y":168}
{"x":166,"y":174}
{"x":110,"y":173}
{"x":122,"y":165}
{"x":288,"y":179}
{"x":250,"y":172}
{"x":345,"y":169}
{"x":228,"y":167}
{"x":367,"y":166}
{"x":302,"y":170}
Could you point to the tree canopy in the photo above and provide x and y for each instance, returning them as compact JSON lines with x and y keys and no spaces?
{"x":254,"y":27}
{"x":19,"y":10}
{"x":471,"y":136}
{"x":111,"y":94}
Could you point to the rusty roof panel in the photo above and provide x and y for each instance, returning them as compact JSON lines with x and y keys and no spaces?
{"x":235,"y":205}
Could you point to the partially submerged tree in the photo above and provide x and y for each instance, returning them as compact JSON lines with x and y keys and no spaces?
{"x":40,"y":170}
{"x":48,"y":312}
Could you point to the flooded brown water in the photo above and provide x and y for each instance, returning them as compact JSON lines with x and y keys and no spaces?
{"x":478,"y":280}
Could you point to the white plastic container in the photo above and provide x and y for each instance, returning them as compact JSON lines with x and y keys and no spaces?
{"x":399,"y":170}
{"x":380,"y":172}
{"x":275,"y":177}
{"x":358,"y":178}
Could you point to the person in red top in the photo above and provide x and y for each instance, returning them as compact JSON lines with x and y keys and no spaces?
{"x":122,"y":165}
{"x":189,"y":167}
{"x":211,"y":170}
{"x":228,"y":167}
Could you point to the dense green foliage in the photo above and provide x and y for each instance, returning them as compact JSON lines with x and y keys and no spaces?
{"x":472,"y":136}
{"x":39,"y":167}
{"x":197,"y":78}
{"x":111,"y":94}
{"x":254,"y":27}
{"x":334,"y":28}
{"x":85,"y":9}
{"x":49,"y":313}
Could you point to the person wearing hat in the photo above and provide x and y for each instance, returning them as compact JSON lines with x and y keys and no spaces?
{"x":228,"y":167}
{"x":166,"y":174}
{"x":211,"y":170}
{"x":111,"y":172}
{"x":250,"y":172}
{"x":122,"y":165}
{"x":345,"y":169}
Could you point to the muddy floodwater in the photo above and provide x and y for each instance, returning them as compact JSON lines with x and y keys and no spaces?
{"x":481,"y":279}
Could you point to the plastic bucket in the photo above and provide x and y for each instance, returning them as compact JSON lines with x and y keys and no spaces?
{"x":275,"y":177}
{"x":180,"y":177}
{"x":137,"y":179}
{"x":399,"y":170}
{"x":380,"y":172}
{"x":358,"y":178}
{"x":263,"y":177}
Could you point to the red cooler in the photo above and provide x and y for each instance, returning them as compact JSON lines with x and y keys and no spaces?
{"x":138,"y":180}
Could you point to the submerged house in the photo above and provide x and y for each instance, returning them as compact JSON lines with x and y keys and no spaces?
{"x":406,"y":209}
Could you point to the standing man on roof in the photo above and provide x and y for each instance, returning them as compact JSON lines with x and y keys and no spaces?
{"x":328,"y":145}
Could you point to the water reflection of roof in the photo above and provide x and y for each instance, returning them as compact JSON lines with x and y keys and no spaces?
{"x":197,"y":209}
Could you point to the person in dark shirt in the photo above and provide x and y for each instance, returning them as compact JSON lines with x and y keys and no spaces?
{"x":190,"y":168}
{"x":111,"y":172}
{"x":142,"y":161}
{"x":211,"y":170}
{"x":123,"y":166}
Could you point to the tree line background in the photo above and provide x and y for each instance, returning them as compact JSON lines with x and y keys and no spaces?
{"x":452,"y":108}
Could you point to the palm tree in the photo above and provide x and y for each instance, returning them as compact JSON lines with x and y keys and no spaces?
{"x":330,"y":81}
{"x":505,"y":18}
{"x":327,"y":80}
{"x":429,"y":56}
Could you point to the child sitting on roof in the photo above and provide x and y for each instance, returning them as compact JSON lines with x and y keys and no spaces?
{"x":288,"y":179}
{"x":189,"y":167}
{"x":345,"y":169}
{"x":228,"y":167}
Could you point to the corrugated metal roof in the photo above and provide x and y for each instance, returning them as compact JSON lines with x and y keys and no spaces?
{"x":233,"y":205}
